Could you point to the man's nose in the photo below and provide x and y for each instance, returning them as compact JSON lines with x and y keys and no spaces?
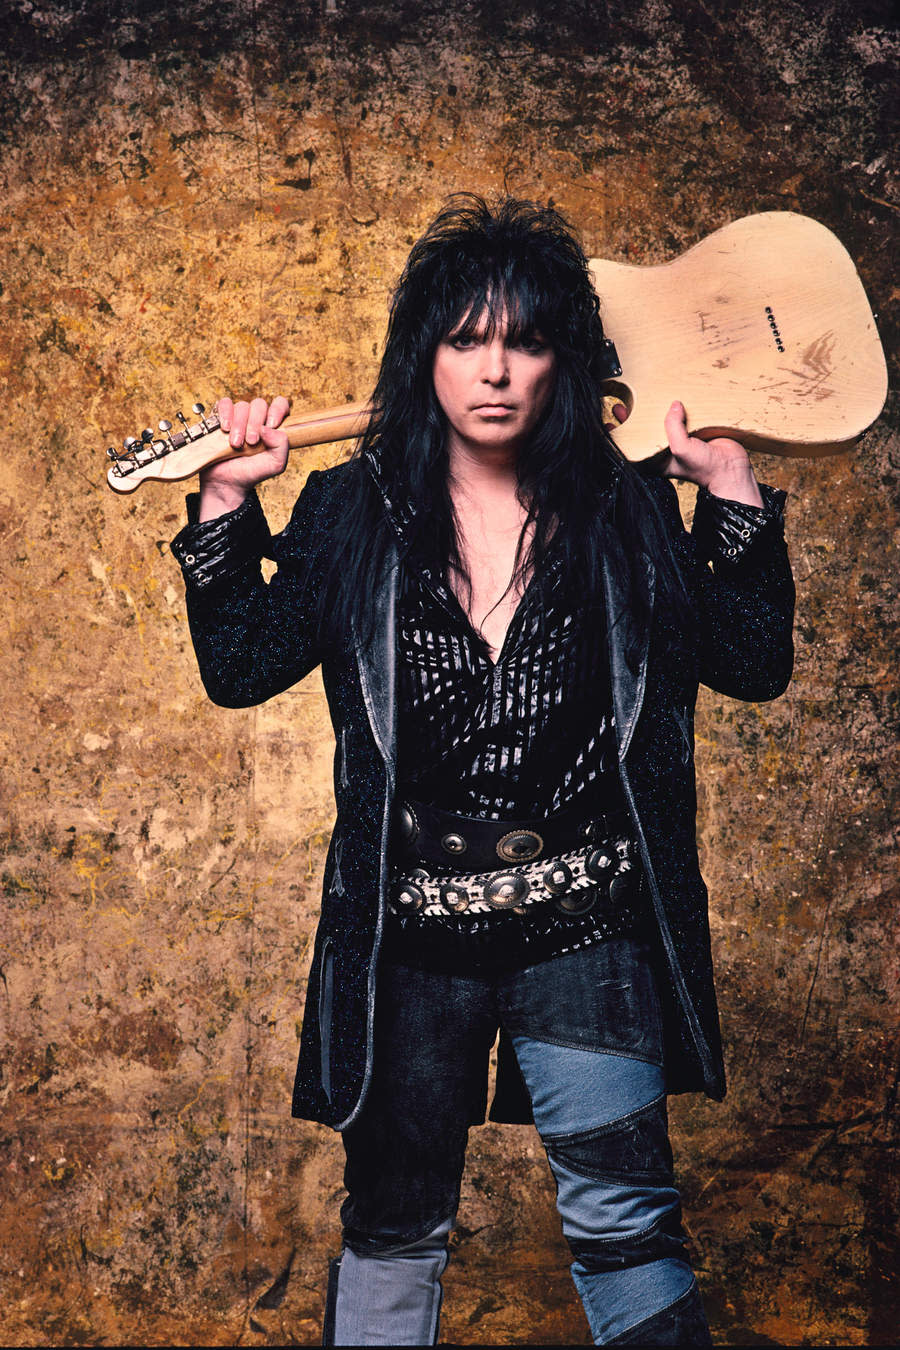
{"x":495,"y":362}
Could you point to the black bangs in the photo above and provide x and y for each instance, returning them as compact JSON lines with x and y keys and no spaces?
{"x":508,"y":304}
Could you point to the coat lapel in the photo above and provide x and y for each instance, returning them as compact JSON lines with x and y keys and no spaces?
{"x":377,"y":664}
{"x":628,"y":645}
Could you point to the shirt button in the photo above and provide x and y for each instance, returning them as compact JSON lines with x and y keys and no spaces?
{"x":189,"y":558}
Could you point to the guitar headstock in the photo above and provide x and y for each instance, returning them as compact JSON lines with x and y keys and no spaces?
{"x":140,"y":456}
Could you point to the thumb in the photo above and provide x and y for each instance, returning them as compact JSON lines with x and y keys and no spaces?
{"x":274,"y":438}
{"x":676,"y":430}
{"x":276,"y":443}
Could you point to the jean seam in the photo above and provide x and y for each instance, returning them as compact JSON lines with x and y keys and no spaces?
{"x":407,"y":1238}
{"x":630,"y":1237}
{"x":682,"y":1298}
{"x":656,"y":1061}
{"x":611,"y":1127}
{"x":655,"y":1179}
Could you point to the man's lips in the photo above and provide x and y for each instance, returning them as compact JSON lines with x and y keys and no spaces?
{"x":494,"y":407}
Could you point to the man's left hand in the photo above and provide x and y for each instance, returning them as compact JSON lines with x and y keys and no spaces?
{"x":721,"y":465}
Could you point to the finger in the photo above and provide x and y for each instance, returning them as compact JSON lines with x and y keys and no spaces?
{"x":224,"y":409}
{"x":676,"y":431}
{"x":278,"y":410}
{"x":255,"y":418}
{"x":239,"y":418}
{"x":619,"y":413}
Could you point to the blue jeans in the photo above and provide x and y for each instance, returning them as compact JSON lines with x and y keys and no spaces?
{"x":587,"y":1034}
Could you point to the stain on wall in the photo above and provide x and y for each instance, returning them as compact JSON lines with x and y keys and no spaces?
{"x":199,"y":198}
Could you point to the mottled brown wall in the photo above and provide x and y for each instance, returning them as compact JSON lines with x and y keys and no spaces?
{"x":217,"y":196}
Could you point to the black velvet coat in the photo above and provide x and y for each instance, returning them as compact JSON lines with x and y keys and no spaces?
{"x":254,"y":640}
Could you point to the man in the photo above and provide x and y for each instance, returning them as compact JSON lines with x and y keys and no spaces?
{"x":511,"y":622}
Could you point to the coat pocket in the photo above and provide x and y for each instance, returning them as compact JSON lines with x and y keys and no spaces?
{"x":326,"y":1000}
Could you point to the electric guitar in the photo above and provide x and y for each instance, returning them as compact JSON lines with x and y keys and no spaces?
{"x":762,"y":330}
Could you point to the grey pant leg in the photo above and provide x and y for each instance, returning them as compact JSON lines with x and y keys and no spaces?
{"x":392,"y":1297}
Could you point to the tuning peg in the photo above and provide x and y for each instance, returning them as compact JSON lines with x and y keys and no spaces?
{"x":147,"y":435}
{"x":165,"y":427}
{"x":184,"y":424}
{"x":199,"y":409}
{"x":129,"y":444}
{"x":112,"y":452}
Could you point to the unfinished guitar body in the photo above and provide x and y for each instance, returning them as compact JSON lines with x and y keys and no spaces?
{"x":762,"y":330}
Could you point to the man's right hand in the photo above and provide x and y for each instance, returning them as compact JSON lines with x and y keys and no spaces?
{"x":224,"y":486}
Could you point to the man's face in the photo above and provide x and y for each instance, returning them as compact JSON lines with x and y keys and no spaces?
{"x":492,"y":391}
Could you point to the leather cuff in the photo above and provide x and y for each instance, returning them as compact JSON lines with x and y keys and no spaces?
{"x":211,"y":551}
{"x":727,"y":531}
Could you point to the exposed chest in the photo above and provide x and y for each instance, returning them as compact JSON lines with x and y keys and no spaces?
{"x":491,"y":547}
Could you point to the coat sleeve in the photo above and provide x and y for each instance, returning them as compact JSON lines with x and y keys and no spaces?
{"x":253,"y":639}
{"x":736,"y":568}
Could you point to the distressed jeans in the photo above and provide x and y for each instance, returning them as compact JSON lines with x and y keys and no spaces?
{"x":586,"y":1031}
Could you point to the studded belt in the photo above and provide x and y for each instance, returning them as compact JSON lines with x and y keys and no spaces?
{"x":574,"y":882}
{"x":427,"y":836}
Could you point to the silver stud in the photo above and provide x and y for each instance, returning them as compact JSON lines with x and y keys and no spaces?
{"x":597,"y":863}
{"x":558,"y":878}
{"x":576,"y":903}
{"x":455,"y":898}
{"x":410,"y":896}
{"x":520,"y":846}
{"x":506,"y":891}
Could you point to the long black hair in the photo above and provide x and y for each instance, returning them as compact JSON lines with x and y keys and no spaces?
{"x":477,"y":265}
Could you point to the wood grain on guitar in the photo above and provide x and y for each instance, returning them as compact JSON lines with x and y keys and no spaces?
{"x":762,"y":330}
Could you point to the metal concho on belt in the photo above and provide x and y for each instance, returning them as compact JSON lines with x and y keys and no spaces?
{"x":520,"y":846}
{"x":573,"y":882}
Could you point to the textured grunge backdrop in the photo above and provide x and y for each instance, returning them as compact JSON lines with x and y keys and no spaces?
{"x":208,"y":196}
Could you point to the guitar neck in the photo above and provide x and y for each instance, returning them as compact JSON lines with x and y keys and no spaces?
{"x":173,"y":456}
